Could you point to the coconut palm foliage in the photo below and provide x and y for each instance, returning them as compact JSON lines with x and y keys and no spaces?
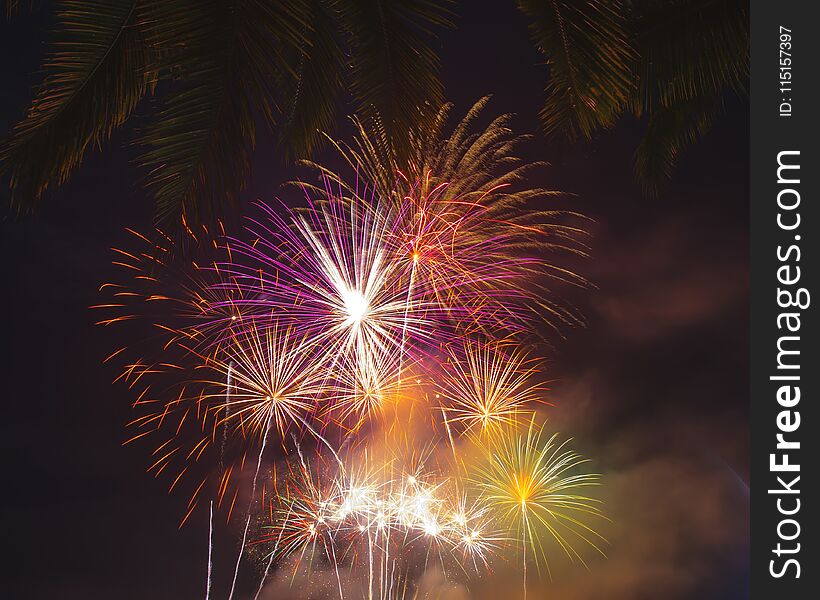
{"x":691,"y":53}
{"x":668,"y":62}
{"x":206,"y":76}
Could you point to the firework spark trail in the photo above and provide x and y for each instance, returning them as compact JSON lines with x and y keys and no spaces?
{"x":336,"y":569}
{"x":250,"y":503}
{"x":210,"y":549}
{"x":407,"y":304}
{"x":224,"y":441}
{"x":269,"y":563}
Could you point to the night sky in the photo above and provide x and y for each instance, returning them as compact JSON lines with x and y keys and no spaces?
{"x":655,"y":387}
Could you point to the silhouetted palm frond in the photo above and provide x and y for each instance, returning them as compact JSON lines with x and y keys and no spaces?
{"x":223,"y":68}
{"x":669,"y":130}
{"x":312,"y":95}
{"x":394,"y":67}
{"x":589,"y":54}
{"x":11,"y":8}
{"x":223,"y":58}
{"x":689,"y":49}
{"x":671,"y":61}
{"x":691,"y":53}
{"x":97,"y":71}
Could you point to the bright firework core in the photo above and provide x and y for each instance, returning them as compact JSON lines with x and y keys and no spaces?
{"x":356,"y":306}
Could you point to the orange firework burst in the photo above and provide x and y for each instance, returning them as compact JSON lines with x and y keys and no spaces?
{"x":467,"y":228}
{"x":491,"y":385}
{"x":535,"y":483}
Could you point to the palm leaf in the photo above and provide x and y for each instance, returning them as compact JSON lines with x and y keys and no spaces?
{"x":96,"y":73}
{"x":669,"y":130}
{"x":311,"y":96}
{"x":692,"y":53}
{"x":689,"y":49}
{"x":224,"y":58}
{"x":394,"y":66}
{"x":589,"y":54}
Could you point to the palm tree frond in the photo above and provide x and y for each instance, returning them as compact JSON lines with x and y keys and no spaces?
{"x":11,"y":8}
{"x":311,"y":95}
{"x":589,"y":54}
{"x":394,"y":66}
{"x":689,"y":49}
{"x":97,"y":71}
{"x":223,"y":57}
{"x":669,"y":130}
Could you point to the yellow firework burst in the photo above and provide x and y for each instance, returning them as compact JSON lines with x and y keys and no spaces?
{"x":536,"y":484}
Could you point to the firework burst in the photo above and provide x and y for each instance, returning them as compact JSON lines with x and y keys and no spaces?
{"x":536,"y":484}
{"x":330,"y":271}
{"x":377,"y":516}
{"x":394,"y":308}
{"x":486,"y":386}
{"x":264,"y":376}
{"x":467,"y":224}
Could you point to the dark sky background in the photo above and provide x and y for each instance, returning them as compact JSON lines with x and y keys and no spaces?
{"x":655,"y":388}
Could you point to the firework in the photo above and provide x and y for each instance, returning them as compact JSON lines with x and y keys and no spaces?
{"x":273,"y":379}
{"x":181,"y":297}
{"x":492,"y":385}
{"x":399,"y":308}
{"x":362,"y":391}
{"x":330,"y":270}
{"x":377,"y":512}
{"x":466,"y":223}
{"x":377,"y":515}
{"x":536,"y":484}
